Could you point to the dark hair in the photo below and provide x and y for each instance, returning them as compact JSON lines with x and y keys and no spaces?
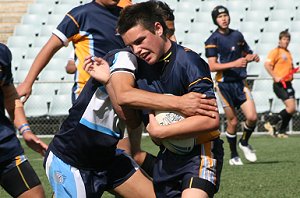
{"x":217,"y":11}
{"x":284,"y":33}
{"x":168,"y":13}
{"x":145,"y":14}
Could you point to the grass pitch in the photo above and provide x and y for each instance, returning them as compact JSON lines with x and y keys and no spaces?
{"x":276,"y":174}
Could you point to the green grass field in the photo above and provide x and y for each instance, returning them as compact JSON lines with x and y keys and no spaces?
{"x":276,"y":174}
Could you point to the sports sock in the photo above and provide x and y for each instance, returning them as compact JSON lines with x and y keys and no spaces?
{"x":246,"y":134}
{"x":148,"y":164}
{"x":286,"y":117}
{"x":232,"y":144}
{"x":276,"y":119}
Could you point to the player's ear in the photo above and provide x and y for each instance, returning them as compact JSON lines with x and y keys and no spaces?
{"x":158,"y":29}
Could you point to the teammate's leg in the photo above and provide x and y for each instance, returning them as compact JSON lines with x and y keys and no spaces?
{"x":22,"y":181}
{"x":231,"y":136}
{"x":138,"y":185}
{"x":248,"y":108}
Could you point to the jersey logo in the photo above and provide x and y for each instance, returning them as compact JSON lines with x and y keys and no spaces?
{"x":284,"y":57}
{"x":59,"y":177}
{"x":233,"y":48}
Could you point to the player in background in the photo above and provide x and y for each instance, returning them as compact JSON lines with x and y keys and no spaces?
{"x":279,"y":65}
{"x":228,"y":54}
{"x":166,"y":67}
{"x":79,"y":27}
{"x":17,"y":177}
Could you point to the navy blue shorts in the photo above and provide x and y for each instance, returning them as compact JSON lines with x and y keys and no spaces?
{"x":17,"y":176}
{"x":284,"y":93}
{"x":68,"y":181}
{"x":233,"y":94}
{"x":200,"y":169}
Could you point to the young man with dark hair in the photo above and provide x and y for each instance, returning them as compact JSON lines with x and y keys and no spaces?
{"x":228,"y":54}
{"x":167,"y":68}
{"x":279,"y":65}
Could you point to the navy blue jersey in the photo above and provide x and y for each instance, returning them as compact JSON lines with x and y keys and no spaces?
{"x":9,"y":143}
{"x":227,"y":48}
{"x":92,"y":30}
{"x":182,"y":72}
{"x":87,"y":138}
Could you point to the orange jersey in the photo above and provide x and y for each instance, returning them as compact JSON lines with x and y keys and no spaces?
{"x":124,"y":3}
{"x":282,"y":62}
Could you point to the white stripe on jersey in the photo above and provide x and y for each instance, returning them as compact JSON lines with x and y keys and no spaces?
{"x":124,"y":61}
{"x":100,"y":116}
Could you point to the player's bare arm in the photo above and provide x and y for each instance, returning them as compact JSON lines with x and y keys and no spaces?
{"x":14,"y":107}
{"x":186,"y":128}
{"x":127,"y":95}
{"x":214,"y":65}
{"x":270,"y":69}
{"x":252,"y":57}
{"x":41,"y":60}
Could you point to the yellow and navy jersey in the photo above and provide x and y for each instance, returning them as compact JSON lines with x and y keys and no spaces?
{"x":9,"y":143}
{"x":92,"y":30}
{"x":227,"y":48}
{"x":178,"y":73}
{"x":89,"y":135}
{"x":282,"y":62}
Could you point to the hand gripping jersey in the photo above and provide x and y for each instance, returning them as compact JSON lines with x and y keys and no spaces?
{"x":178,"y":73}
{"x":227,"y":48}
{"x":9,"y":143}
{"x":92,"y":29}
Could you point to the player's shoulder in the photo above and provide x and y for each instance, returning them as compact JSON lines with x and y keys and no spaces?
{"x":213,"y":37}
{"x":6,"y":55}
{"x":189,"y":56}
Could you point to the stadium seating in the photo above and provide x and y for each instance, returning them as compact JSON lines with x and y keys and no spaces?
{"x":37,"y":105}
{"x":60,"y":105}
{"x":262,"y":101}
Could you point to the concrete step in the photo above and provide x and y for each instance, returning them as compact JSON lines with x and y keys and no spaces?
{"x":11,"y":12}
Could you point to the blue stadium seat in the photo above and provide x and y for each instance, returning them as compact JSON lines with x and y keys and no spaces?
{"x":47,"y":30}
{"x":48,"y":89}
{"x":60,"y":105}
{"x":208,"y":6}
{"x":282,"y":15}
{"x":289,"y":5}
{"x":27,"y":30}
{"x":269,"y":37}
{"x":277,"y":26}
{"x":258,"y":16}
{"x":33,"y":19}
{"x":39,"y":8}
{"x":54,"y":19}
{"x":37,"y":105}
{"x":277,"y":105}
{"x":262,"y":100}
{"x":264,"y":5}
{"x":238,"y":5}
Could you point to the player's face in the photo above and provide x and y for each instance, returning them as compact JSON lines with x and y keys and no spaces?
{"x":284,"y":42}
{"x":223,"y":20}
{"x":171,"y":31}
{"x":108,"y":3}
{"x":145,"y":44}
